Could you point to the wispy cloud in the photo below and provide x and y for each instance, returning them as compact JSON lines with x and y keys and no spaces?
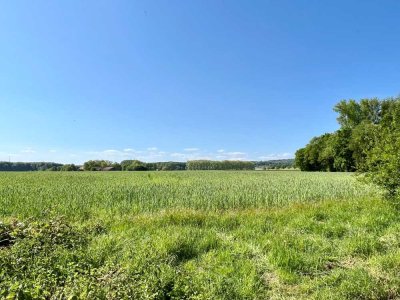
{"x":191,"y":149}
{"x":150,"y":154}
{"x":111,"y":151}
{"x":233,"y":155}
{"x":176,"y":154}
{"x":5,"y":156}
{"x":273,"y":156}
{"x":28,"y":150}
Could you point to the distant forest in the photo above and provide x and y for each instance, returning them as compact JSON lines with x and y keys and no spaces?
{"x":30,"y":166}
{"x":275,"y":164}
{"x":136,"y":165}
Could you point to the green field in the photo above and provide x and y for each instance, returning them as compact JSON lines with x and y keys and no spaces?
{"x":196,"y":235}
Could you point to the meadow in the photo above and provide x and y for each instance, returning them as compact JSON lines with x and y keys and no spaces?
{"x":196,"y":235}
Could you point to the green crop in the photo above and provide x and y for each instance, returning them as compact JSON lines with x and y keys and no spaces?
{"x":196,"y":235}
{"x":84,"y":195}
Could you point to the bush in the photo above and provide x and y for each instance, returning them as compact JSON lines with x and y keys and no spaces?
{"x":383,"y":159}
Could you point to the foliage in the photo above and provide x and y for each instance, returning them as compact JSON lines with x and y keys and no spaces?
{"x":220,"y":165}
{"x":100,"y":165}
{"x":196,"y":235}
{"x":275,"y":164}
{"x":368,"y":142}
{"x":69,"y":167}
{"x":133,"y":165}
{"x":50,"y":260}
{"x":349,"y":148}
{"x":383,"y":157}
{"x":329,"y":152}
{"x":166,"y":166}
{"x":352,"y":113}
{"x":30,"y":166}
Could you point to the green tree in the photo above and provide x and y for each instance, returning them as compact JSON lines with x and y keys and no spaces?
{"x":133,"y":165}
{"x":96,"y":165}
{"x":350,"y":113}
{"x":383,"y":157}
{"x":69,"y":167}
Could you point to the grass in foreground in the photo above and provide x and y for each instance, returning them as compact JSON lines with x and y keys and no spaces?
{"x":327,"y":249}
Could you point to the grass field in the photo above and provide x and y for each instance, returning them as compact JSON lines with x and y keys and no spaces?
{"x":196,"y":235}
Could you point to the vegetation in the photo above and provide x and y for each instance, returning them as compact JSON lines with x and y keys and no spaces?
{"x":31,"y":166}
{"x":69,"y":167}
{"x":349,"y":148}
{"x":275,"y":164}
{"x":219,"y":165}
{"x":213,"y":235}
{"x":137,"y":165}
{"x":196,"y":235}
{"x":99,"y":165}
{"x":368,"y":141}
{"x":166,"y":166}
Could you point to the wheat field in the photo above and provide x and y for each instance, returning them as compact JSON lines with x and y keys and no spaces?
{"x":196,"y":235}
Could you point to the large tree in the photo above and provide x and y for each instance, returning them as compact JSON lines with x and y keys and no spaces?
{"x":368,"y":141}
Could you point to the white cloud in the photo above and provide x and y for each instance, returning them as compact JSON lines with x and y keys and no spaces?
{"x":176,"y":154}
{"x":5,"y":156}
{"x":274,"y":156}
{"x":150,"y":154}
{"x":219,"y":155}
{"x":204,"y":157}
{"x":111,"y":151}
{"x":28,"y":151}
{"x":234,"y":155}
{"x":191,"y":149}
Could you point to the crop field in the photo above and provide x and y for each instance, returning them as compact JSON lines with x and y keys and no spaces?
{"x":196,"y":235}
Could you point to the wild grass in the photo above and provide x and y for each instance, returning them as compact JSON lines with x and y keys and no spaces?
{"x":86,"y":195}
{"x":197,"y":235}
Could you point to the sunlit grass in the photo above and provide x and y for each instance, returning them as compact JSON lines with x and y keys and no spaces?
{"x":201,"y":235}
{"x":86,"y":195}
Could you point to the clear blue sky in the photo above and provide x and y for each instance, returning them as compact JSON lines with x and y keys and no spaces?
{"x":175,"y":80}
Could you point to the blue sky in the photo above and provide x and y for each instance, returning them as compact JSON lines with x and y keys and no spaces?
{"x":177,"y":80}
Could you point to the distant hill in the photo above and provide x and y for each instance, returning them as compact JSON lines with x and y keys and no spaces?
{"x":275,"y":164}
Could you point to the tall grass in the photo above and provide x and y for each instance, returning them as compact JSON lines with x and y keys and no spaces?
{"x":196,"y":235}
{"x":82,"y":195}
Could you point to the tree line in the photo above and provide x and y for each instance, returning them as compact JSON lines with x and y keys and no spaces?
{"x":29,"y":166}
{"x":276,"y":164}
{"x":137,"y":165}
{"x":129,"y":165}
{"x":368,"y":141}
{"x":348,"y":148}
{"x":220,"y":165}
